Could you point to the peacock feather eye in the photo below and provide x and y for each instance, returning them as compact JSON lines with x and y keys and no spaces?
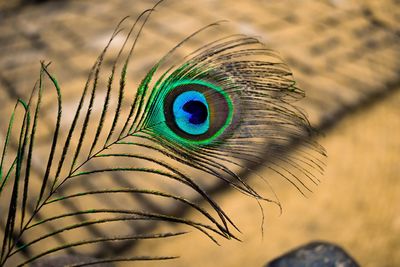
{"x":196,"y":110}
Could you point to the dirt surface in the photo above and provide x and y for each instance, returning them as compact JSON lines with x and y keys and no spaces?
{"x":344,"y":53}
{"x":356,"y":205}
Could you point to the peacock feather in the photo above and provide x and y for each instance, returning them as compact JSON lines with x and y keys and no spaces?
{"x":212,"y":114}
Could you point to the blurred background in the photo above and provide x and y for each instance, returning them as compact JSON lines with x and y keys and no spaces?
{"x":345,"y":54}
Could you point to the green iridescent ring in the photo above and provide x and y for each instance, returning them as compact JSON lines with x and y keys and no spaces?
{"x":196,"y":111}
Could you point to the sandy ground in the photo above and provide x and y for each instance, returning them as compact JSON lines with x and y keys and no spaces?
{"x":357,"y":204}
{"x":338,"y":54}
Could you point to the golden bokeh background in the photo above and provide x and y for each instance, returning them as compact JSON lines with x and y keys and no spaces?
{"x":345,"y":54}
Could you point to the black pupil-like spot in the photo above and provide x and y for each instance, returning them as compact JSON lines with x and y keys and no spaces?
{"x":198,"y":111}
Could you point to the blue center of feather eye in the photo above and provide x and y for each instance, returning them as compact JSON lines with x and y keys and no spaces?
{"x":198,"y":110}
{"x":191,"y":112}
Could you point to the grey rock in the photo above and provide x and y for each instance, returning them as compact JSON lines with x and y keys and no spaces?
{"x":315,"y":254}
